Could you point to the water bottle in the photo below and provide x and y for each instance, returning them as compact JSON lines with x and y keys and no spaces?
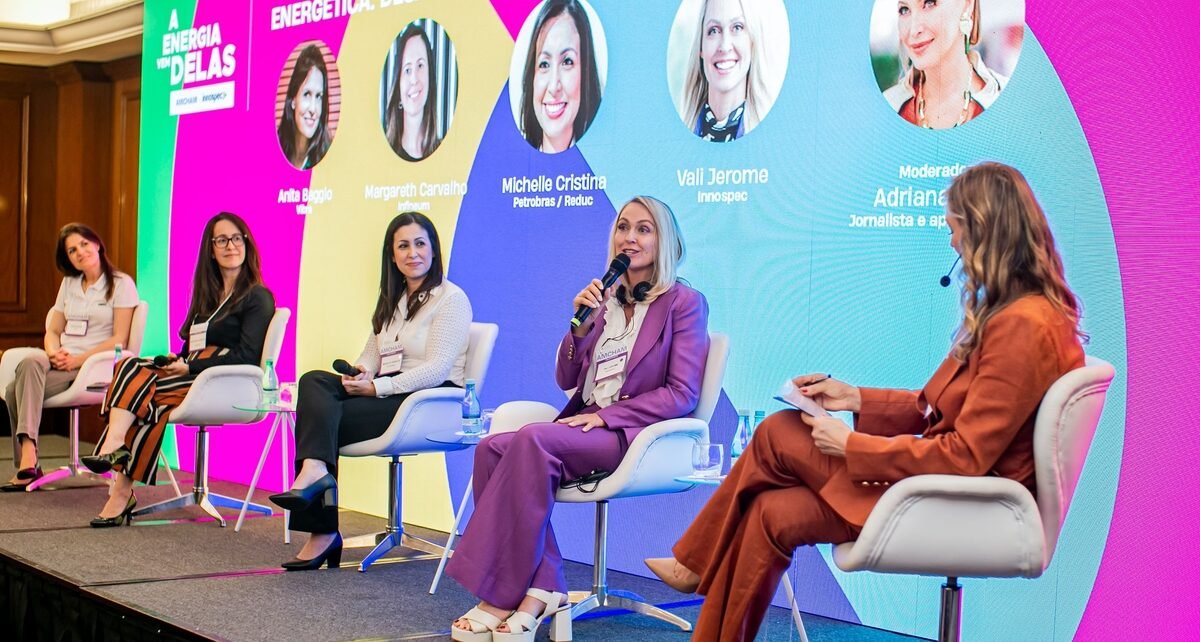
{"x":759,"y":415}
{"x":270,"y":384}
{"x":116,"y":356}
{"x":471,"y":423}
{"x":741,"y":436}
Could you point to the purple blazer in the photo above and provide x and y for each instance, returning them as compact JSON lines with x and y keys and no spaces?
{"x":665,"y":368}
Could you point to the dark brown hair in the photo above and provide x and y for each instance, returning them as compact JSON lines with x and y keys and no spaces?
{"x":64,"y":262}
{"x":395,"y":113}
{"x":392,"y":283}
{"x":208,"y":286}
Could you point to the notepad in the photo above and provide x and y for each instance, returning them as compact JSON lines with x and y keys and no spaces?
{"x":790,"y":395}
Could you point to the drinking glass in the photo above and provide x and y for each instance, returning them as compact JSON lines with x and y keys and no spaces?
{"x":707,"y":460}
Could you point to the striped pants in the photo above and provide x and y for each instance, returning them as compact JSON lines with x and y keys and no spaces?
{"x":142,"y":390}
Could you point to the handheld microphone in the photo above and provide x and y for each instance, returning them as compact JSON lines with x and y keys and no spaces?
{"x":945,"y":280}
{"x":619,"y":264}
{"x":162,"y":360}
{"x":341,"y":366}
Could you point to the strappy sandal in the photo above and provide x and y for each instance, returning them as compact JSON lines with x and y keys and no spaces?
{"x":522,"y":627}
{"x":482,"y":623}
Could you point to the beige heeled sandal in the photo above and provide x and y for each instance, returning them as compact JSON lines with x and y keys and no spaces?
{"x":482,"y":623}
{"x":522,"y":627}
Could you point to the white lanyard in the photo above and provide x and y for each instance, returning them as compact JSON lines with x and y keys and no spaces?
{"x":198,"y":335}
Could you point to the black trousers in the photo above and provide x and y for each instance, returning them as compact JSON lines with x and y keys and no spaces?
{"x":326,"y":419}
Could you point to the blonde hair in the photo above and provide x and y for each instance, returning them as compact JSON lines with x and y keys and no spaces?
{"x":1007,"y":250}
{"x":759,"y":98}
{"x":669,"y":252}
{"x":911,"y":77}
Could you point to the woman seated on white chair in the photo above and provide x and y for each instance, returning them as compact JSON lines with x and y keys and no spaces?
{"x":420,"y":330}
{"x":638,"y":360}
{"x":226,"y":324}
{"x":92,"y":314}
{"x":809,"y":480}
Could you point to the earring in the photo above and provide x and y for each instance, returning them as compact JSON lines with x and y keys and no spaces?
{"x":965,"y":24}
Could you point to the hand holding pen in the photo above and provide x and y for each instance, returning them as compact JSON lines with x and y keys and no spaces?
{"x":830,"y":393}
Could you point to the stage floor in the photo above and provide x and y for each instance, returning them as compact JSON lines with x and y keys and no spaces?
{"x":185,"y":571}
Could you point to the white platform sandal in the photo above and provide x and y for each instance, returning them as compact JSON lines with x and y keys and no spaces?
{"x":483,"y":624}
{"x":522,"y":627}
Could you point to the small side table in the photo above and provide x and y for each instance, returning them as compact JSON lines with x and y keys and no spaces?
{"x":787,"y":580}
{"x":283,"y":415}
{"x":453,"y":437}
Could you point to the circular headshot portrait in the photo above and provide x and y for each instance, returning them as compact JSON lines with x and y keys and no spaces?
{"x":559,"y":67}
{"x":941,"y":63}
{"x":307,"y":103}
{"x":726,"y":60}
{"x":418,"y":89}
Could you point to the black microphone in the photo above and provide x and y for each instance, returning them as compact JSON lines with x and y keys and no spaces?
{"x":945,"y":280}
{"x":342,"y":366}
{"x":619,"y":264}
{"x":162,"y":360}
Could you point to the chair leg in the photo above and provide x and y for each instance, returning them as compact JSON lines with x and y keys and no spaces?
{"x":601,"y":596}
{"x":394,"y":536}
{"x":454,"y":534}
{"x":949,"y":629}
{"x":73,"y":467}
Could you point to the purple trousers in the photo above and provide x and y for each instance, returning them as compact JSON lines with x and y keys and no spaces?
{"x":508,"y":546}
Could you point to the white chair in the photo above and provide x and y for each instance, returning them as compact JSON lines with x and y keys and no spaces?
{"x":213,"y":400}
{"x":957,"y":526}
{"x":422,"y":414}
{"x":87,"y":390}
{"x":660,"y":454}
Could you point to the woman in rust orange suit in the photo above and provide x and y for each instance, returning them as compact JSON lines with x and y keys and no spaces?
{"x":807,"y":480}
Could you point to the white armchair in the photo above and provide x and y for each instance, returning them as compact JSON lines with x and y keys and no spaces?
{"x":87,"y":390}
{"x":422,"y":414}
{"x":213,"y":400}
{"x":986,"y":526}
{"x":656,"y":458}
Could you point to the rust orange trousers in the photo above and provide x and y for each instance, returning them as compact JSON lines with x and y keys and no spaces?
{"x":742,"y":541}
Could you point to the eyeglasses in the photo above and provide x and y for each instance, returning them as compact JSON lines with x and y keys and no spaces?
{"x":223,"y":242}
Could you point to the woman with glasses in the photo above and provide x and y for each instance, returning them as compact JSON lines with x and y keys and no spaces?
{"x":226,"y":324}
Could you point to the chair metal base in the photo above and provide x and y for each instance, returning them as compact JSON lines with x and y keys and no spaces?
{"x":200,"y":495}
{"x":394,"y":535}
{"x":601,"y":596}
{"x":949,"y":629}
{"x":73,"y":467}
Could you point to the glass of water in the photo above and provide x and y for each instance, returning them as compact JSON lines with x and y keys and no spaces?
{"x":707,"y":460}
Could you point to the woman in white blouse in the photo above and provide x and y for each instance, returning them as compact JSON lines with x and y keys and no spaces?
{"x":92,"y":314}
{"x":419,"y":340}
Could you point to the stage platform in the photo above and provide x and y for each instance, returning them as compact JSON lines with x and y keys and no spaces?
{"x":183,"y":577}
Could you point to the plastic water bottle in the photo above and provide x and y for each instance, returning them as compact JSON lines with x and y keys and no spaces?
{"x":116,"y":356}
{"x":471,"y":423}
{"x":270,"y":384}
{"x":759,"y":415}
{"x":741,"y":436}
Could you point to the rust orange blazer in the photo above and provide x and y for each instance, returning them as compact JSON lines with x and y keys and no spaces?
{"x":972,"y":418}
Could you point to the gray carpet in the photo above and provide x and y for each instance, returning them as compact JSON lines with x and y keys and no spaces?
{"x":215,"y":581}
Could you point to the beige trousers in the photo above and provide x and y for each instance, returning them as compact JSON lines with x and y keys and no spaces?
{"x":33,"y":384}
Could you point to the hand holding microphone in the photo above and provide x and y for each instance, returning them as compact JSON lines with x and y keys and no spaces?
{"x":343,"y":367}
{"x":596,"y":293}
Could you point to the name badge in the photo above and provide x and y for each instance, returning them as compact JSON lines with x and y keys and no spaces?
{"x":198,"y":336}
{"x":76,"y":327}
{"x":611,"y":363}
{"x":390,"y":358}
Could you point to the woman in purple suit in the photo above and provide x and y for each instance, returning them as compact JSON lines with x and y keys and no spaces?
{"x":638,"y":360}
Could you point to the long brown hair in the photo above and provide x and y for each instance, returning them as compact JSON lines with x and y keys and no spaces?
{"x":64,"y":262}
{"x":310,"y":58}
{"x":1007,"y":249}
{"x":589,"y":88}
{"x":392,"y":284}
{"x":208,"y":286}
{"x":395,"y":113}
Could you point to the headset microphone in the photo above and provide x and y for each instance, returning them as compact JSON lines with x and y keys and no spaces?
{"x":945,"y":280}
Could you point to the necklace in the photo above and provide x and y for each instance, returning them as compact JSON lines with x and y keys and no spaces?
{"x":962,"y":116}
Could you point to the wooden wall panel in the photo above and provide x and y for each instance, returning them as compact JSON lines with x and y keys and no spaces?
{"x":14,"y":217}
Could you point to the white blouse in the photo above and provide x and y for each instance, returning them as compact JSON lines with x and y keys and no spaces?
{"x":617,"y":338}
{"x":77,"y":304}
{"x":433,"y":343}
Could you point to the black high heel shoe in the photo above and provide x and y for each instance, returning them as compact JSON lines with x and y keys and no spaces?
{"x":101,"y":464}
{"x":124,"y":519}
{"x":302,"y":498}
{"x":332,"y":556}
{"x":26,"y":476}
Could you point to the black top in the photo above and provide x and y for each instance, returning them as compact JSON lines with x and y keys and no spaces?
{"x":242,"y":329}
